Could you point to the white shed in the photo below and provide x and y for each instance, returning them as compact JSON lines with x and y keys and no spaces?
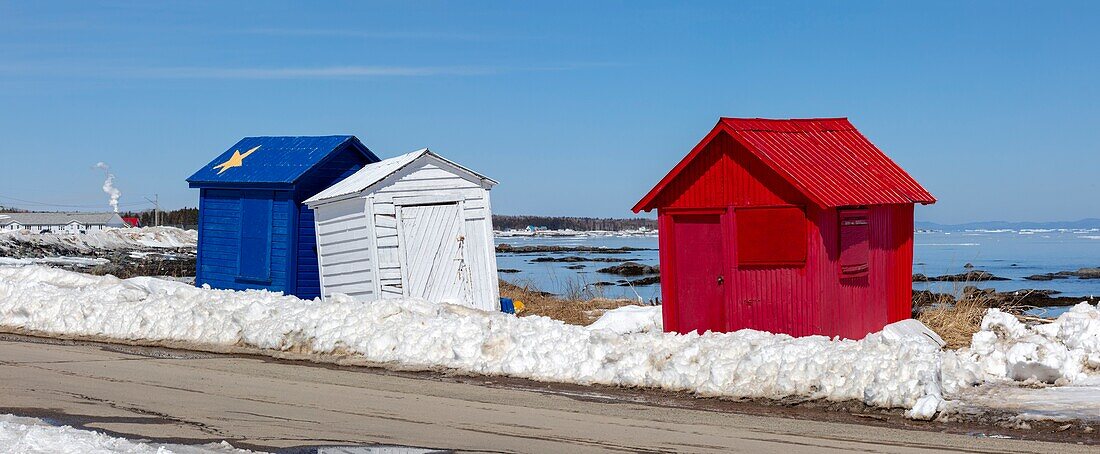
{"x":413,"y":225}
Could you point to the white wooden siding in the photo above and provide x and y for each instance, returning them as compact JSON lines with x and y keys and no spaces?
{"x":427,"y":180}
{"x":344,"y":249}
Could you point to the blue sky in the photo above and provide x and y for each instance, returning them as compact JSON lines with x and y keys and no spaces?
{"x":577,"y":108}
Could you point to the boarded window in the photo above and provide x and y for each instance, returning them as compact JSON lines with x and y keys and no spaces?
{"x":255,"y":258}
{"x":854,"y":242}
{"x":772,"y":236}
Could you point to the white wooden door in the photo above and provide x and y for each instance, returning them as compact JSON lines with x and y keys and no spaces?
{"x":433,"y":244}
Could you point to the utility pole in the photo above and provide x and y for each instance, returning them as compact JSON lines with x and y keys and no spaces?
{"x":156,"y":209}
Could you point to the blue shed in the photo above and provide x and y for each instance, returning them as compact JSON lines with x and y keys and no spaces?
{"x":254,"y":230}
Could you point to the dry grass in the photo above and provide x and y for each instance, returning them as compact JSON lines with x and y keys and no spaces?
{"x":955,"y":322}
{"x":571,"y":309}
{"x":957,"y":319}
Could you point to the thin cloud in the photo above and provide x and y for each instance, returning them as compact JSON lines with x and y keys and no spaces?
{"x":404,"y":34}
{"x":275,"y":73}
{"x":324,"y":72}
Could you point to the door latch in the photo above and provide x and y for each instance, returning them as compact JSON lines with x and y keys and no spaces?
{"x":720,"y":280}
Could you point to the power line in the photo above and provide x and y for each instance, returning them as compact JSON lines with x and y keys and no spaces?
{"x":66,"y":205}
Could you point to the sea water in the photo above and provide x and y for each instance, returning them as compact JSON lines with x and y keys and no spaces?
{"x":1011,"y":254}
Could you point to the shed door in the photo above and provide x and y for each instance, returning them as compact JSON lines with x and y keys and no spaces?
{"x":433,"y":246}
{"x":256,"y":218}
{"x":698,"y":273}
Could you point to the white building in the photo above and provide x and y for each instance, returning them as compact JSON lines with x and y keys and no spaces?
{"x":414,"y":225}
{"x":60,"y":222}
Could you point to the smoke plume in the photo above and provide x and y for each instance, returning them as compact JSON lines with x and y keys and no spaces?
{"x":109,"y":186}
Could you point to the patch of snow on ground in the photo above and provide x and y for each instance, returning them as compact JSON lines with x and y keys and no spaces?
{"x":78,"y":261}
{"x":33,"y":436}
{"x":1058,"y":403}
{"x":417,"y":334}
{"x":630,"y":319}
{"x":121,"y":238}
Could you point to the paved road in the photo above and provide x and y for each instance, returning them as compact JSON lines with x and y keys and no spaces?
{"x":180,"y":396}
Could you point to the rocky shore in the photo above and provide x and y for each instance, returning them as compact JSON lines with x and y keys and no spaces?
{"x":1082,"y":273}
{"x":1022,"y":298}
{"x":574,"y":259}
{"x":969,"y":276}
{"x":542,"y":249}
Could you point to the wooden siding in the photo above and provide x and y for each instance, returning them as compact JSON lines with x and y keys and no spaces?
{"x":725,"y":174}
{"x":220,"y":248}
{"x":797,"y":299}
{"x":432,"y":180}
{"x":344,"y":244}
{"x":339,"y":166}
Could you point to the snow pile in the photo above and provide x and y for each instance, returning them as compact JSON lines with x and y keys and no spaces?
{"x":913,"y":330}
{"x":126,"y":238}
{"x":32,"y":436}
{"x":878,"y":370}
{"x":630,"y":319}
{"x":1064,"y":351}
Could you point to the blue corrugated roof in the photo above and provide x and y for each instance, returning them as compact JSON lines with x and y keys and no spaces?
{"x":279,"y":160}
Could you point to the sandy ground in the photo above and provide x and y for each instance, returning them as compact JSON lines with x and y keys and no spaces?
{"x":181,"y":396}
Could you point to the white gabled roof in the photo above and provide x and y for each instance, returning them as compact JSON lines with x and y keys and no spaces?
{"x":378,"y":171}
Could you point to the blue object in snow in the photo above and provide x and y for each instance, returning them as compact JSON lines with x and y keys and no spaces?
{"x":254,"y":231}
{"x":506,"y":306}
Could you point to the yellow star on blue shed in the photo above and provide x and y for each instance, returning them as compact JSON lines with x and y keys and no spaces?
{"x":236,"y":160}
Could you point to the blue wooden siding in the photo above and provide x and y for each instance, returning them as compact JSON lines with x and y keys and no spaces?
{"x":340,"y":166}
{"x":254,"y":231}
{"x":222,"y":230}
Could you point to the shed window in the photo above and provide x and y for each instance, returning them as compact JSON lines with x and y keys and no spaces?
{"x":255,"y":257}
{"x":772,"y":236}
{"x":854,"y":242}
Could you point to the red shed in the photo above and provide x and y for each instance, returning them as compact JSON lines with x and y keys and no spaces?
{"x":789,"y":226}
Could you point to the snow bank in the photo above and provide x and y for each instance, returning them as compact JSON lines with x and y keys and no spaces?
{"x":1064,"y":351}
{"x":33,"y":436}
{"x":903,"y":366}
{"x":127,"y":238}
{"x":630,"y":319}
{"x":878,"y":370}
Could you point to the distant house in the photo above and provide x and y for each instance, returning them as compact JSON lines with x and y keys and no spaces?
{"x":789,"y":226}
{"x":414,"y":225}
{"x":254,"y":231}
{"x":60,"y":222}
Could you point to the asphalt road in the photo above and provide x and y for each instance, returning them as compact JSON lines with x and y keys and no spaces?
{"x":170,"y":395}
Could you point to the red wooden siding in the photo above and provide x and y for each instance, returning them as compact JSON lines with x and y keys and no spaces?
{"x":727,"y":174}
{"x":789,"y":262}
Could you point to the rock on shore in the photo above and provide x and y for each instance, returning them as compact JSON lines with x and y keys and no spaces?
{"x":969,"y":276}
{"x":1082,"y":273}
{"x":630,"y":269}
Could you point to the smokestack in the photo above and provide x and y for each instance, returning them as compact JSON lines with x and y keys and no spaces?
{"x":109,"y":186}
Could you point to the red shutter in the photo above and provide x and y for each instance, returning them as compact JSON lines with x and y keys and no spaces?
{"x":772,"y":236}
{"x":854,"y":241}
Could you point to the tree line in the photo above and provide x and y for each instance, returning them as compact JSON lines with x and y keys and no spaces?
{"x":189,"y":217}
{"x":513,"y":222}
{"x":183,"y":217}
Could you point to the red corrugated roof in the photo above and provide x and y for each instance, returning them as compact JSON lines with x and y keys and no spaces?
{"x":826,"y":158}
